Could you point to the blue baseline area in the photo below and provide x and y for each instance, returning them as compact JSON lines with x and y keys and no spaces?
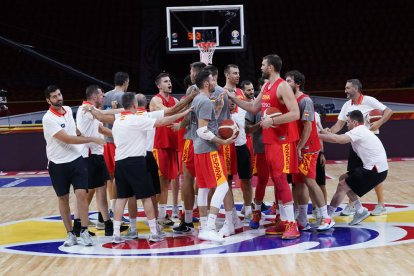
{"x":25,"y":182}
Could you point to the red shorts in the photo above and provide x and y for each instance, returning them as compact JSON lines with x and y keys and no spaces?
{"x":262,"y":170}
{"x":188,"y":156}
{"x":180,"y":163}
{"x":307,"y":167}
{"x":210,"y":169}
{"x":167,"y":162}
{"x":109,"y":156}
{"x":281,"y":159}
{"x":230,"y":158}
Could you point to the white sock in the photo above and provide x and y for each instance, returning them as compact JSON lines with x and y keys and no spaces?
{"x":290,"y":214}
{"x":113,"y":204}
{"x":235,"y":215}
{"x":247,"y":209}
{"x":257,"y":207}
{"x":203,"y":223}
{"x":283,"y":215}
{"x":211,"y":222}
{"x":324,"y":211}
{"x":195,"y":202}
{"x":229,"y":217}
{"x":303,"y":214}
{"x":331,"y":210}
{"x":152,"y":223}
{"x":162,"y":209}
{"x":133,"y":224}
{"x":117,"y":226}
{"x":188,"y":216}
{"x":358,"y":206}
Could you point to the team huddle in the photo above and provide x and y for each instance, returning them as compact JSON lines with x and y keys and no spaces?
{"x":147,"y":147}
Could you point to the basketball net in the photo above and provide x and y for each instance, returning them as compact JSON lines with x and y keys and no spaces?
{"x":206,"y":51}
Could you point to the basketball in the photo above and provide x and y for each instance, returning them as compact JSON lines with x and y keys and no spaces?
{"x":374,"y":115}
{"x":227,"y":128}
{"x":272,"y":112}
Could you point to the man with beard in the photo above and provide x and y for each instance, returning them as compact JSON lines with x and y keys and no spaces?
{"x":165,"y":145}
{"x":66,"y":165}
{"x":308,"y":148}
{"x":280,"y":140}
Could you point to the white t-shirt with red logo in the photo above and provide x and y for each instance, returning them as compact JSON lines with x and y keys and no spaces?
{"x":89,"y":127}
{"x":130,"y":135}
{"x":57,"y":151}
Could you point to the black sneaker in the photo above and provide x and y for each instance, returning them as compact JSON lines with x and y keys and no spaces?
{"x":167,"y":221}
{"x":184,"y":227}
{"x":109,"y":228}
{"x":264,"y":207}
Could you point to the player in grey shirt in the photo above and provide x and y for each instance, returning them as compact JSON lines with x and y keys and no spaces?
{"x":253,"y":124}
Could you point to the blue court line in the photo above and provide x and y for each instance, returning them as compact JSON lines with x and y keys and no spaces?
{"x":25,"y":182}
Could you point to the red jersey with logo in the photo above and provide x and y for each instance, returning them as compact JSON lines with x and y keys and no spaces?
{"x":313,"y":144}
{"x":165,"y":137}
{"x":283,"y":133}
{"x":240,"y":94}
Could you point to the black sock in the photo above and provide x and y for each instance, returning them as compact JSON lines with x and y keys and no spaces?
{"x":100,"y":217}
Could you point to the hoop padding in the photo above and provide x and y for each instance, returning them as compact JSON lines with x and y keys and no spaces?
{"x":206,"y":51}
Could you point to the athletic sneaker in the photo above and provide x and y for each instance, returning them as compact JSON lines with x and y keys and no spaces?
{"x":100,"y":225}
{"x":379,"y":210}
{"x":264,"y":207}
{"x":125,"y":220}
{"x":359,"y":217}
{"x":227,"y":230}
{"x":175,"y":212}
{"x":184,"y":227}
{"x":238,"y":224}
{"x":91,"y":223}
{"x":348,"y":210}
{"x":166,"y":221}
{"x":117,"y":239}
{"x":255,"y":222}
{"x":305,"y":227}
{"x":326,"y":224}
{"x":210,"y":235}
{"x":70,"y":240}
{"x":111,"y":213}
{"x":86,"y":239}
{"x":278,"y":228}
{"x":248,"y":217}
{"x":291,"y":231}
{"x":131,"y":235}
{"x":155,"y":238}
{"x":271,"y":210}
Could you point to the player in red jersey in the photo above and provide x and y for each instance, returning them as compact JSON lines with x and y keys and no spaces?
{"x":308,"y":148}
{"x":280,"y":140}
{"x":165,"y":145}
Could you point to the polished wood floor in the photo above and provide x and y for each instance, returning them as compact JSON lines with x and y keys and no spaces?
{"x":25,"y":203}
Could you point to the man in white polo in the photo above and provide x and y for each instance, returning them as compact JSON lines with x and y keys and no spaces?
{"x":66,"y":165}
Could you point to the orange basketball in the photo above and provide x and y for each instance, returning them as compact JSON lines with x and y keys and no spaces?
{"x":272,"y":112}
{"x":374,"y":115}
{"x":227,"y":128}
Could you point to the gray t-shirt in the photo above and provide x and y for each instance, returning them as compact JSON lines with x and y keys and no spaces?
{"x":110,"y":96}
{"x":188,"y":131}
{"x":258,"y":145}
{"x":225,"y":112}
{"x":307,"y":111}
{"x":203,"y":108}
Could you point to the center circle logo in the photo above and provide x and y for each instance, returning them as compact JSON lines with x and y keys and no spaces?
{"x":46,"y":236}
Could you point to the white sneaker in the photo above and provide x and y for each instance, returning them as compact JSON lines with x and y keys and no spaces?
{"x":117,"y":239}
{"x":248,"y":217}
{"x":70,"y":240}
{"x":227,"y":230}
{"x":348,"y":210}
{"x":131,"y":234}
{"x":210,"y":235}
{"x":237,"y":223}
{"x":155,"y":238}
{"x":100,"y":225}
{"x":326,"y":224}
{"x":379,"y":210}
{"x":359,"y":217}
{"x":86,"y":238}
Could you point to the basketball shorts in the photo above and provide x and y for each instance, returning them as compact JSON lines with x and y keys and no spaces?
{"x":243,"y":162}
{"x":132,"y":178}
{"x":167,"y":162}
{"x":97,"y":171}
{"x":261,"y":167}
{"x":188,"y":156}
{"x":62,"y":175}
{"x":307,"y":167}
{"x":281,"y":159}
{"x":230,"y":158}
{"x":354,"y":161}
{"x":152,"y":169}
{"x":210,"y":169}
{"x":320,"y":172}
{"x":109,"y":156}
{"x":361,"y":181}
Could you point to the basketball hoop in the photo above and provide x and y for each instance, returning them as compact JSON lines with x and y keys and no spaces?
{"x":206,"y":51}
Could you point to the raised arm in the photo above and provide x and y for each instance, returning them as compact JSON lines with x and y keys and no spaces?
{"x":70,"y":139}
{"x":171,"y":119}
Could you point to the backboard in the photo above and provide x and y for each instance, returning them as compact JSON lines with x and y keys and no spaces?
{"x":222,"y":24}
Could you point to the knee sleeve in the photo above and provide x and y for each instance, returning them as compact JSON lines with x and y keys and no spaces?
{"x":202,"y":197}
{"x":219,"y":195}
{"x":284,"y":194}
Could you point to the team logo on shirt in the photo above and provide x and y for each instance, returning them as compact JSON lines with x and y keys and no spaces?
{"x":47,"y":234}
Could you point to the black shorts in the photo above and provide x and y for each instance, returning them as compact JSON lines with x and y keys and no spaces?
{"x":132,"y":178}
{"x":152,"y":168}
{"x":354,"y":161}
{"x":361,"y":181}
{"x":97,"y":171}
{"x":244,"y":163}
{"x":320,"y":172}
{"x":62,"y":175}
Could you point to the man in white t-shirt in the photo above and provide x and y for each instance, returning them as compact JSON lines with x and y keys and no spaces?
{"x":132,"y":177}
{"x":358,"y":101}
{"x":66,"y":165}
{"x":369,"y":174}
